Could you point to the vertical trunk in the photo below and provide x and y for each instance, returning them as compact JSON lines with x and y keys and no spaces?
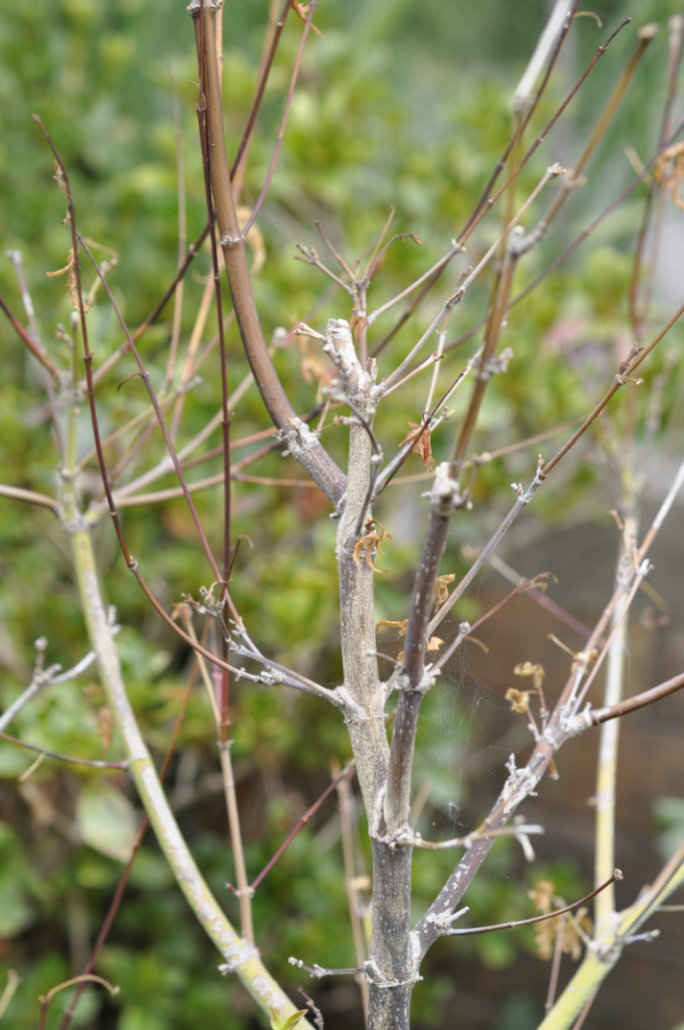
{"x":366,"y":718}
{"x":390,"y":966}
{"x":393,"y":970}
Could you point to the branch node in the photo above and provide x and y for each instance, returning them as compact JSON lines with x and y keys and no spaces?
{"x":297,"y":437}
{"x":374,"y":976}
{"x":244,"y":953}
{"x":232,"y":241}
{"x":442,"y":921}
{"x":404,"y":837}
{"x":354,"y":380}
{"x":446,"y":495}
{"x":194,"y":7}
{"x":520,"y":784}
{"x":494,"y":365}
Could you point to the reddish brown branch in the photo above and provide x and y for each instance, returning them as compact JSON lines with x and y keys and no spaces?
{"x":346,"y":774}
{"x":264,"y":73}
{"x":299,"y":440}
{"x":617,"y":875}
{"x":30,"y":343}
{"x":632,"y":704}
{"x":623,"y":376}
{"x":281,"y":131}
{"x":63,"y":180}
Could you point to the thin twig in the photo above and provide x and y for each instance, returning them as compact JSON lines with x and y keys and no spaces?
{"x":311,"y":8}
{"x":32,"y":345}
{"x":243,"y":892}
{"x":68,"y":759}
{"x":18,"y":493}
{"x":265,"y":69}
{"x":617,"y":875}
{"x":346,"y":773}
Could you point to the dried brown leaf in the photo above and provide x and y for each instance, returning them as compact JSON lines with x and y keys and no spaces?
{"x":422,"y":445}
{"x":392,"y":623}
{"x":368,"y":545}
{"x":302,"y":12}
{"x":442,"y":586}
{"x":434,"y":644}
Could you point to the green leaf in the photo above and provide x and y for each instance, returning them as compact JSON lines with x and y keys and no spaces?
{"x":289,"y":1022}
{"x":13,"y":761}
{"x":151,"y":871}
{"x":135,"y":1018}
{"x":15,"y":912}
{"x":107,"y":821}
{"x":669,"y":814}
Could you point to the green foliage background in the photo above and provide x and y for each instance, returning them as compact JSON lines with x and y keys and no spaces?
{"x":399,"y":104}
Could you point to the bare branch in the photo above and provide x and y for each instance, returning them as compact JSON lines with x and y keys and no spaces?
{"x":299,"y":440}
{"x":617,"y":875}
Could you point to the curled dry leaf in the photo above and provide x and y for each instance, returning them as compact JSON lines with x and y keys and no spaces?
{"x":537,"y":673}
{"x":668,"y":172}
{"x":366,"y":547}
{"x":530,"y":669}
{"x":519,"y":700}
{"x":442,"y":586}
{"x":302,"y":12}
{"x":541,"y":582}
{"x":422,"y":445}
{"x":434,"y":644}
{"x":68,"y":270}
{"x":581,"y":659}
{"x":393,"y":623}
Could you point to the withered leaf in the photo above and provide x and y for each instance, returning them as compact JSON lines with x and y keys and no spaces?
{"x":422,"y":445}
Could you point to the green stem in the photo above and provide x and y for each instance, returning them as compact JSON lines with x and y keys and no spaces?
{"x":606,"y":778}
{"x":598,"y":962}
{"x":240,"y":957}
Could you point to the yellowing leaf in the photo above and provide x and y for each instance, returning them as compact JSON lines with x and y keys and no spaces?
{"x":570,"y":927}
{"x":442,"y":586}
{"x":537,"y":672}
{"x":519,"y":700}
